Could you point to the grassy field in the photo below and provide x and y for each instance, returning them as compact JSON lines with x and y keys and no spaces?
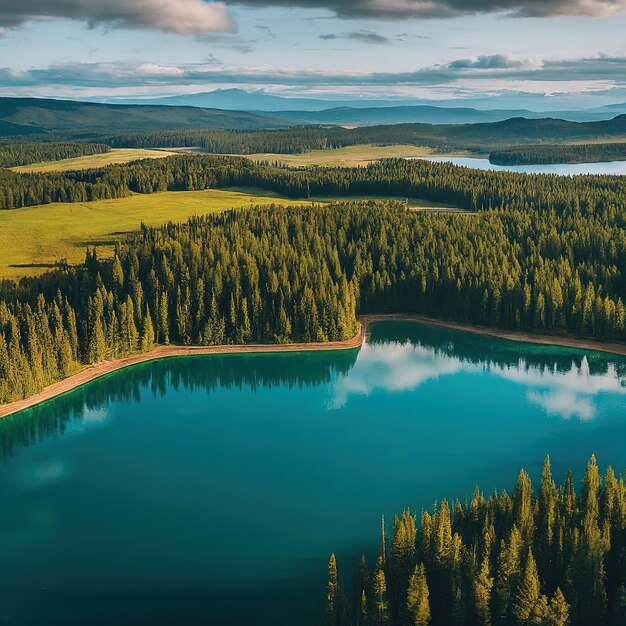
{"x":121,"y":155}
{"x":33,"y":238}
{"x":350,"y":156}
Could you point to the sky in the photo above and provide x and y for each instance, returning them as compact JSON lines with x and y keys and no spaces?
{"x":548,"y":53}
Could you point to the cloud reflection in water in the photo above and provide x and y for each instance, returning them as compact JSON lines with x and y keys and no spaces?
{"x":404,"y":366}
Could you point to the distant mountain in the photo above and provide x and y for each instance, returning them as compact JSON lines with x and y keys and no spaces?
{"x":241,"y":100}
{"x":366,"y":112}
{"x":620,"y":107}
{"x":347,"y":116}
{"x":26,"y":116}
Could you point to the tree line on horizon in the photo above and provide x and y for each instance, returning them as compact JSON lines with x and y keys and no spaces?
{"x":551,"y":558}
{"x":278,"y":274}
{"x":550,"y":153}
{"x":442,"y":182}
{"x":16,"y":154}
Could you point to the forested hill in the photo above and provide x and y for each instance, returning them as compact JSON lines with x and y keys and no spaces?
{"x":67,"y":119}
{"x":550,"y":558}
{"x":482,"y":137}
{"x":145,"y":126}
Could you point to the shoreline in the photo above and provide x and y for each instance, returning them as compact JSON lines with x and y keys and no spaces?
{"x":512,"y":335}
{"x":98,"y":370}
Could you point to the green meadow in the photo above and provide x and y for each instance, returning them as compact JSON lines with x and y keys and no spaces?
{"x":34,"y":238}
{"x":113,"y":157}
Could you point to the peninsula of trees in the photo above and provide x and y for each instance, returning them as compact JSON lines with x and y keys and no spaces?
{"x":574,"y":153}
{"x":551,"y":558}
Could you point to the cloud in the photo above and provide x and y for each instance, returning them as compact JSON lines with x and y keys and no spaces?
{"x":489,"y":75}
{"x":363,"y":36}
{"x":201,"y":16}
{"x":402,"y":9}
{"x":493,"y":62}
{"x":172,"y":16}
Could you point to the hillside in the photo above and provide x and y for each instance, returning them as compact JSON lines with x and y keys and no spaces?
{"x":361,"y":116}
{"x":27,"y":116}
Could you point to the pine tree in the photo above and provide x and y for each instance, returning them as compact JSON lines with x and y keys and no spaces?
{"x":527,"y":593}
{"x":380,"y":615}
{"x":332,"y":607}
{"x":147,"y":335}
{"x":558,"y":610}
{"x":417,"y":597}
{"x":482,"y":585}
{"x":508,"y":573}
{"x":360,"y":584}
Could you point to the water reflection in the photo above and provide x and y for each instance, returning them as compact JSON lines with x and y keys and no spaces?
{"x":87,"y":406}
{"x":562,"y":381}
{"x":398,"y":357}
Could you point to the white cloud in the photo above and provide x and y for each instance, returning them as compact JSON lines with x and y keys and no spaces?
{"x":173,"y":16}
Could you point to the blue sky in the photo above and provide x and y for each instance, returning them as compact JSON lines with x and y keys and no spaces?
{"x":573,"y":51}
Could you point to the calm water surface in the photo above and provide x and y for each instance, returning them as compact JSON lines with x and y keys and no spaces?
{"x":565,"y":169}
{"x":210,"y":490}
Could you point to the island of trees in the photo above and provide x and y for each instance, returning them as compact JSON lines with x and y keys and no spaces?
{"x":550,"y":558}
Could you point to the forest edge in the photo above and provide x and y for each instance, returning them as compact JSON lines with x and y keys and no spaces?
{"x":97,"y":370}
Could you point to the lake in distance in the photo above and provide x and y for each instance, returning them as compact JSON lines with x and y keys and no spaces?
{"x":564,"y":169}
{"x":211,"y":490}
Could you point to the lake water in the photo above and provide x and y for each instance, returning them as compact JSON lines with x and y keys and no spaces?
{"x":564,"y":169}
{"x":210,"y":490}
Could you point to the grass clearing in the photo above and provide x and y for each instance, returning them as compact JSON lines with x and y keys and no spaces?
{"x":114,"y":156}
{"x":350,"y":156}
{"x":34,"y":238}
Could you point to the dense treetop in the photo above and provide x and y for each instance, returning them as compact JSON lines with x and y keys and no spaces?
{"x":14,"y":154}
{"x":463,"y":187}
{"x":550,"y":261}
{"x":574,"y":153}
{"x":550,"y":557}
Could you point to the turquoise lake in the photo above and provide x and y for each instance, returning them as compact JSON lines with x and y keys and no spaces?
{"x":211,"y":490}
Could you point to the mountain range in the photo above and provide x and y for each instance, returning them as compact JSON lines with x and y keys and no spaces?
{"x":27,"y":116}
{"x":366,"y":112}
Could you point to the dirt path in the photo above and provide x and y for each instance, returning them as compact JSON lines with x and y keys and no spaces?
{"x":162,"y":352}
{"x":551,"y":340}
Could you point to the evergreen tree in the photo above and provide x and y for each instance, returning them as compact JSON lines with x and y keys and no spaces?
{"x":482,"y":586}
{"x":332,"y":608}
{"x":417,"y":597}
{"x":528,"y":593}
{"x":558,"y":611}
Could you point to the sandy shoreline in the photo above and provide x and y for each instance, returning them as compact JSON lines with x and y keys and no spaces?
{"x":548,"y":340}
{"x":92,"y":372}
